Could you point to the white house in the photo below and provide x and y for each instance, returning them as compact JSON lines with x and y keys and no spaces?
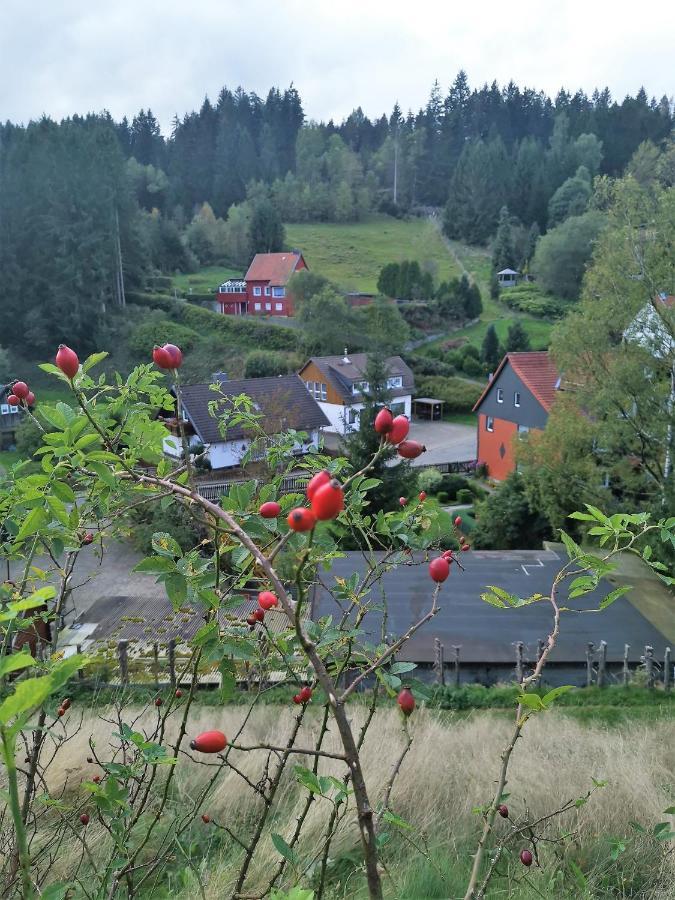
{"x":649,"y":328}
{"x":283,"y":404}
{"x":338,"y":384}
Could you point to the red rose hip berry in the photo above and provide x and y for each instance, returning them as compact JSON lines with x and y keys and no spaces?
{"x":399,"y":430}
{"x":411,"y":449}
{"x":383,"y":421}
{"x":301,"y":519}
{"x":328,"y":501}
{"x":267,"y":600}
{"x":20,"y":389}
{"x":439,"y":569}
{"x":158,"y":701}
{"x":316,"y":482}
{"x":30,"y":399}
{"x":406,"y":701}
{"x":258,"y":615}
{"x":305,"y":694}
{"x":526,"y":857}
{"x":178,"y":694}
{"x":402,"y":501}
{"x":161,"y":358}
{"x":503,"y":811}
{"x":209,"y":742}
{"x":422,"y":496}
{"x":458,"y":521}
{"x":269,"y":510}
{"x":206,"y":818}
{"x":13,"y":400}
{"x":175,"y":354}
{"x":84,"y":818}
{"x":67,"y":361}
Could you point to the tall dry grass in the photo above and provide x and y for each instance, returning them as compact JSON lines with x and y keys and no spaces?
{"x":451,"y":767}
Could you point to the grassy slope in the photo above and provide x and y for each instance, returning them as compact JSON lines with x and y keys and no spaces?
{"x":205,"y":281}
{"x":353,"y":254}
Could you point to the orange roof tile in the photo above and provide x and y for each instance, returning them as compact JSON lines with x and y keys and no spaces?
{"x":276,"y":268}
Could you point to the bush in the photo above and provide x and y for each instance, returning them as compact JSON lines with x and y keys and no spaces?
{"x":452,"y":483}
{"x":442,"y":497}
{"x":530,"y":298}
{"x":429,"y":480}
{"x":458,"y":394}
{"x":427,"y":365}
{"x":465,"y":495}
{"x":471,"y":366}
{"x":159,"y":330}
{"x":262,"y":364}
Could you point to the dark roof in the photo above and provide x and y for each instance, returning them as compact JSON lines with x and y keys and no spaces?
{"x":276,"y":268}
{"x":537,"y":372}
{"x":342,"y":375}
{"x":487,"y":634}
{"x":283,"y":401}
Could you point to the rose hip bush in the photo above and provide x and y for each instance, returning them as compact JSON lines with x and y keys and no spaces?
{"x":101,"y":456}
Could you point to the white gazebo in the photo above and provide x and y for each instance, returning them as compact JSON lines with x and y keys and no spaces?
{"x":508,"y":278}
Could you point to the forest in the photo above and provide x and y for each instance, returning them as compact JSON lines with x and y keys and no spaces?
{"x":133,"y":202}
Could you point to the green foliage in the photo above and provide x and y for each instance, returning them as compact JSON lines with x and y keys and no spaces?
{"x":516,"y":339}
{"x":328,"y":323}
{"x":562,"y":254}
{"x":263,"y":363}
{"x":506,"y":521}
{"x":458,"y":394}
{"x":503,"y":255}
{"x":405,"y":281}
{"x":382,"y":326}
{"x":158,"y":330}
{"x":266,"y":232}
{"x":529,"y":298}
{"x":5,"y":366}
{"x":148,"y":519}
{"x":491,"y":352}
{"x":571,"y":198}
{"x":430,"y":480}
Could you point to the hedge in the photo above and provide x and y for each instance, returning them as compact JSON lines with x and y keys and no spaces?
{"x":458,"y":394}
{"x":529,"y":298}
{"x":234,"y":329}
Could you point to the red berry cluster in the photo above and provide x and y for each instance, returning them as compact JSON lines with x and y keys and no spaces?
{"x":168,"y":357}
{"x":395,"y":430}
{"x":304,"y":695}
{"x":21,"y":393}
{"x":327,"y":500}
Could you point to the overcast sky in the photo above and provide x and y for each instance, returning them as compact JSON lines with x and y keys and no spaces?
{"x":65,"y":56}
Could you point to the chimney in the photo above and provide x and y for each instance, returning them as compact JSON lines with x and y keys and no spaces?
{"x":346,"y":360}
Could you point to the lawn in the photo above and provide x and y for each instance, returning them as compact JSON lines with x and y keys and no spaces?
{"x":352,"y":254}
{"x":205,"y":281}
{"x":538,"y":330}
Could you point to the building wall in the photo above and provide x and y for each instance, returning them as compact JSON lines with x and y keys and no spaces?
{"x":495,"y":448}
{"x":312,"y":372}
{"x":228,"y":454}
{"x":530,"y":412}
{"x":338,"y":414}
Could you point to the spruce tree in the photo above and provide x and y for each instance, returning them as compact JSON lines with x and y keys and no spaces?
{"x":517,"y":340}
{"x":502,"y":250}
{"x":396,"y":481}
{"x":490,"y":351}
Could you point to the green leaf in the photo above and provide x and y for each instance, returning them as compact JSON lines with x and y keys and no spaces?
{"x":56,"y":891}
{"x":574,"y":551}
{"x":670,"y":811}
{"x":155,"y":565}
{"x":58,"y":509}
{"x":32,"y":692}
{"x":35,"y":520}
{"x":166,"y":545}
{"x":64,"y":492}
{"x":103,"y":472}
{"x":206,"y":633}
{"x":532,"y":701}
{"x":553,"y":695}
{"x":176,"y":589}
{"x":282,"y":847}
{"x":308,"y":779}
{"x":93,"y":360}
{"x":393,"y":819}
{"x":399,"y":667}
{"x":614,"y":595}
{"x":14,"y":662}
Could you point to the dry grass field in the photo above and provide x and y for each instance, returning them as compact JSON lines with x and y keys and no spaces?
{"x":450,"y":768}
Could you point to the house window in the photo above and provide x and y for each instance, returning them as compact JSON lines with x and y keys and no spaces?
{"x":353,"y":416}
{"x":257,"y":292}
{"x":268,"y":306}
{"x":278,"y":292}
{"x":317,"y":390}
{"x":516,"y":398}
{"x":279,"y":307}
{"x":489,"y":423}
{"x":267,"y":291}
{"x":257,"y":306}
{"x":397,"y":409}
{"x":4,"y":409}
{"x":523,"y":429}
{"x":395,"y":382}
{"x":14,"y":409}
{"x":360,"y":387}
{"x":500,"y":395}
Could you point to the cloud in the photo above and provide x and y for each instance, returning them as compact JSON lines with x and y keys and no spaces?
{"x":75,"y":56}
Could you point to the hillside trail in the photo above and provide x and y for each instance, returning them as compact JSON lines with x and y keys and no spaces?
{"x":436,"y":222}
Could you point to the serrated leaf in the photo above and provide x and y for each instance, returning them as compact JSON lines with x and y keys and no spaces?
{"x":14,"y":662}
{"x":553,"y":695}
{"x":398,"y":668}
{"x":103,"y":472}
{"x":63,"y":491}
{"x":283,"y":848}
{"x":165,"y":544}
{"x":58,"y":510}
{"x":176,"y":589}
{"x":155,"y":565}
{"x":614,"y":595}
{"x":393,"y":819}
{"x":34,"y":521}
{"x":32,"y":692}
{"x":93,"y":360}
{"x":532,"y":701}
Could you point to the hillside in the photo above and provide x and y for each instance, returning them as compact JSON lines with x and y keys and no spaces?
{"x":352,"y":254}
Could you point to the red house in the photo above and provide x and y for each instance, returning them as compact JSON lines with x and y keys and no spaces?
{"x":517,"y":399}
{"x":263,"y":290}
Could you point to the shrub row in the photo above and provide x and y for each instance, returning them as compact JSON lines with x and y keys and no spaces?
{"x":458,"y":394}
{"x":529,"y":298}
{"x":239,"y":329}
